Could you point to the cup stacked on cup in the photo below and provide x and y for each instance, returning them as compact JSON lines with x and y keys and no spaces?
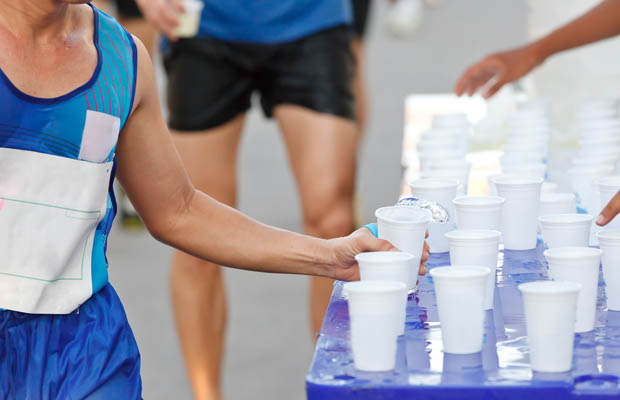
{"x":527,"y":146}
{"x":599,"y":149}
{"x":442,"y":149}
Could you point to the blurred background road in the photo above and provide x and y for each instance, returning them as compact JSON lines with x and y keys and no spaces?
{"x":269,"y":347}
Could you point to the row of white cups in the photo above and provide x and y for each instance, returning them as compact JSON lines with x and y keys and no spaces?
{"x":554,"y":310}
{"x":521,"y":204}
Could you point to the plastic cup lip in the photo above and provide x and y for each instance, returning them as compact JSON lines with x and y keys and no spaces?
{"x":565,"y":220}
{"x":609,"y":183}
{"x":588,"y":169}
{"x":550,"y":287}
{"x":412,"y":216}
{"x":572,"y":253}
{"x":383,"y":257}
{"x":433,"y":184}
{"x":192,"y":6}
{"x":549,"y":187}
{"x":373,"y":287}
{"x":461,"y":273}
{"x":550,"y":198}
{"x":609,"y":236}
{"x":478,"y":202}
{"x":473,"y":235}
{"x":517,"y":181}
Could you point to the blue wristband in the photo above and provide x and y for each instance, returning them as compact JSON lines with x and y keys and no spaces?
{"x":372,"y":227}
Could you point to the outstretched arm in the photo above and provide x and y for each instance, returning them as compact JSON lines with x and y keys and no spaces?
{"x":155,"y":180}
{"x":601,"y":22}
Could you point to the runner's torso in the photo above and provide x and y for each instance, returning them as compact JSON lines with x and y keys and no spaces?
{"x":57,"y":162}
{"x":270,"y":21}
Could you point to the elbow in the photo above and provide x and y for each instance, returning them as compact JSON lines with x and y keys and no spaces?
{"x":166,"y":225}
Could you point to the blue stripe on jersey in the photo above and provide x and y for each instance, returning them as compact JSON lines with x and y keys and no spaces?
{"x":56,"y":125}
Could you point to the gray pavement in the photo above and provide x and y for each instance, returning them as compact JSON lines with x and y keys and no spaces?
{"x":269,"y":347}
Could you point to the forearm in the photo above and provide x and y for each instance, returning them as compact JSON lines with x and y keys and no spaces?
{"x":601,"y":22}
{"x":215,"y":232}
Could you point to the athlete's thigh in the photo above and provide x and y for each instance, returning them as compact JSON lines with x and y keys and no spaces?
{"x":322,"y":153}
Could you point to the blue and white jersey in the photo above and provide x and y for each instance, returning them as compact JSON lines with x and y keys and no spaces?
{"x":56,"y":171}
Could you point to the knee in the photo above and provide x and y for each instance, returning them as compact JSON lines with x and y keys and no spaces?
{"x":334,"y":219}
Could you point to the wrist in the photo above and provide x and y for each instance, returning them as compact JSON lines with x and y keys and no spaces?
{"x":539,"y":51}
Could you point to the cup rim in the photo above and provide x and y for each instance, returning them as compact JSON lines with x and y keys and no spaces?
{"x":383,"y":257}
{"x":550,"y":287}
{"x":517,"y":180}
{"x":470,"y":235}
{"x":437,"y":183}
{"x":421,"y":216}
{"x":609,"y":235}
{"x":461,"y":272}
{"x":373,"y":287}
{"x":565,"y":220}
{"x":478,"y":201}
{"x":609,"y":182}
{"x":556,"y":197}
{"x":571,"y":252}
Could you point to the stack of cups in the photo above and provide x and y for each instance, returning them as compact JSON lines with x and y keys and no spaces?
{"x":520,"y":212}
{"x":527,"y":147}
{"x":609,"y":241}
{"x":476,"y":247}
{"x":374,"y":313}
{"x":388,"y":266}
{"x":405,"y":228}
{"x":442,"y":149}
{"x":607,"y":188}
{"x":460,"y":295}
{"x":441,"y":191}
{"x":579,"y":265}
{"x":550,"y":309}
{"x":599,"y":152}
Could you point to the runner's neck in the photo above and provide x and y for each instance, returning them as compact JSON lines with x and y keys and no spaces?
{"x":39,"y":22}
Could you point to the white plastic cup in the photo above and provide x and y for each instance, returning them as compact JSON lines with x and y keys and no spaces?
{"x":512,"y":158}
{"x":391,"y":266}
{"x":595,"y":160}
{"x":441,"y":191}
{"x":478,"y":212}
{"x":459,"y":174}
{"x":609,"y":240}
{"x":582,"y":182}
{"x":520,"y":211}
{"x":405,"y":228}
{"x":476,"y":247}
{"x":608,"y":187}
{"x":189,"y":20}
{"x":557,"y":203}
{"x":373,"y":312}
{"x":550,"y":309}
{"x":536,"y":170}
{"x":548,"y":187}
{"x":566,"y":230}
{"x":460,"y":299}
{"x":491,"y":183}
{"x":579,"y":265}
{"x":448,"y":163}
{"x":433,"y":157}
{"x":450,"y":121}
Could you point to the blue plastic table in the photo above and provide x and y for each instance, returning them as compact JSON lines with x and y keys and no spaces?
{"x":500,"y":371}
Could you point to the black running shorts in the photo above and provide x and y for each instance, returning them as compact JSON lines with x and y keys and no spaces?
{"x":210,"y":81}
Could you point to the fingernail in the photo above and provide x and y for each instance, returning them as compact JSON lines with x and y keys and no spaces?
{"x":600,"y":219}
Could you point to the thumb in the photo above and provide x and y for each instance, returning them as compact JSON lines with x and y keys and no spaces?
{"x":610,"y":211}
{"x":369,"y":242}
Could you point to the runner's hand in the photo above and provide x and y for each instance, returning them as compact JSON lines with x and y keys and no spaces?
{"x":344,"y":267}
{"x":610,"y":211}
{"x":497,"y":70}
{"x":162,"y":14}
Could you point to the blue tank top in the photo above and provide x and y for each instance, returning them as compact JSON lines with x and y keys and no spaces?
{"x":59,"y":126}
{"x":270,"y":21}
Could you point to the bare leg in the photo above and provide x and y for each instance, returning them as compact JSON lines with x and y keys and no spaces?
{"x":359,"y":86}
{"x":198,"y":293}
{"x":322,"y":153}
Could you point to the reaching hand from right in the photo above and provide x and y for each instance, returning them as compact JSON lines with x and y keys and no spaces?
{"x":497,"y":70}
